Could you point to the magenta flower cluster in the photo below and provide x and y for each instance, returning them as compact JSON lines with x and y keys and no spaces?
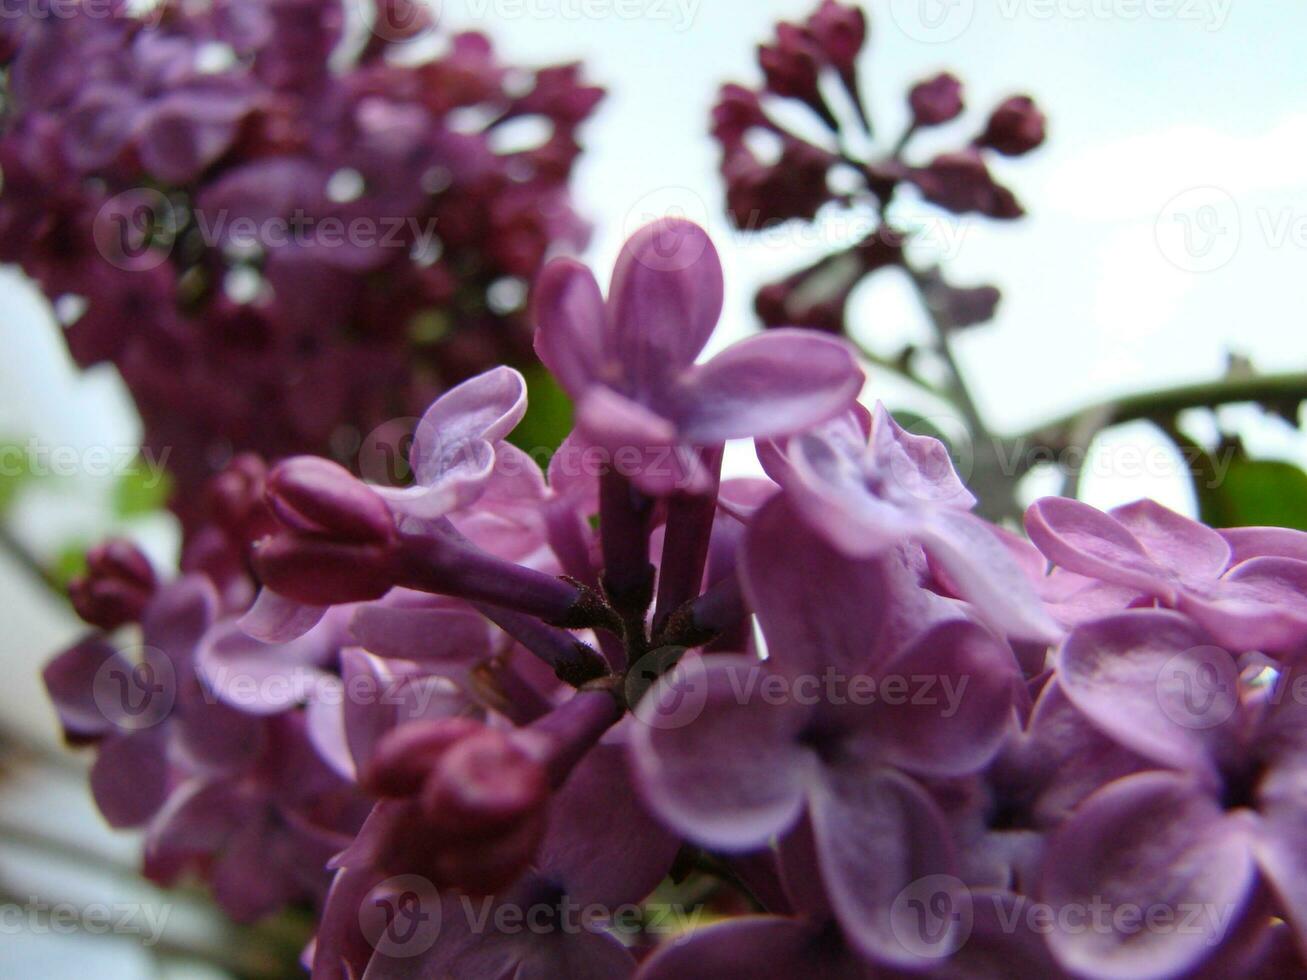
{"x":893,"y":739}
{"x":274,"y":228}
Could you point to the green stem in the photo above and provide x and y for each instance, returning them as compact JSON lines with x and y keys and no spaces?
{"x":1078,"y":429}
{"x":991,"y":478}
{"x":29,"y":563}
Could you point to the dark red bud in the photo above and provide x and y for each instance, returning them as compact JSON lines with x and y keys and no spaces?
{"x":118,"y":584}
{"x":936,"y":101}
{"x":1014,"y":128}
{"x":484,"y":785}
{"x":321,"y":572}
{"x":840,"y":32}
{"x":316,"y":496}
{"x":405,"y":756}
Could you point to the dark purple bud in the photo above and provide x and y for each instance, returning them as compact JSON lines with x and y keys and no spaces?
{"x":792,"y":68}
{"x":840,"y":32}
{"x":405,"y":757}
{"x":961,"y":183}
{"x":959,"y":306}
{"x":737,"y":111}
{"x":118,"y":584}
{"x":236,"y":502}
{"x":316,"y":496}
{"x":318,"y":571}
{"x":1014,"y":128}
{"x":484,"y":785}
{"x":936,"y":101}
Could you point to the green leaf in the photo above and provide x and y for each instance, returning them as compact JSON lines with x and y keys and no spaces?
{"x":69,"y":563}
{"x":15,"y":473}
{"x":1254,"y":492}
{"x":548,"y":416}
{"x":141,"y":490}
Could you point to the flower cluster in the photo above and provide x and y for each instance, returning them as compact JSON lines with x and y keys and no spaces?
{"x":775,"y":174}
{"x":272,"y":228}
{"x":873,"y":733}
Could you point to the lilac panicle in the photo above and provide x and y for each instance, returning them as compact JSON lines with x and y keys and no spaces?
{"x":868,"y":731}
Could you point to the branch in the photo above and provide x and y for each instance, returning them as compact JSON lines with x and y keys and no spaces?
{"x":1077,"y":429}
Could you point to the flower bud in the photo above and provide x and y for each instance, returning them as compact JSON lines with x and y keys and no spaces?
{"x":318,"y":571}
{"x":792,"y":70}
{"x":1014,"y":128}
{"x":118,"y":584}
{"x":936,"y":101}
{"x":235,"y":499}
{"x":485,"y":784}
{"x":406,"y":755}
{"x":961,"y":183}
{"x":318,"y":497}
{"x":839,"y":32}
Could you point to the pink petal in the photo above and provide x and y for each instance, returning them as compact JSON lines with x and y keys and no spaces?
{"x":1151,"y":680}
{"x":1081,"y":539}
{"x":1156,"y":843}
{"x":730,"y":773}
{"x":664,"y":301}
{"x":571,"y":325}
{"x":769,"y":385}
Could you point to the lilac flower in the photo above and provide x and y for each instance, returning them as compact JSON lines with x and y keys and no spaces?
{"x":601,"y":850}
{"x":1160,"y":555}
{"x":260,"y":136}
{"x":630,"y":366}
{"x":865,"y":493}
{"x":798,"y":182}
{"x":748,"y":767}
{"x":1223,"y":813}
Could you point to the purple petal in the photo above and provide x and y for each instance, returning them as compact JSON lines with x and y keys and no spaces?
{"x":1281,"y":843}
{"x":1157,"y":844}
{"x":602,"y":844}
{"x":129,"y":779}
{"x":754,"y":947}
{"x":449,"y":636}
{"x":664,"y":301}
{"x":766,"y":386}
{"x":1195,"y":552}
{"x":983,"y":571}
{"x":1081,"y":539}
{"x":819,"y":608}
{"x":571,"y":325}
{"x":177,"y":617}
{"x":1257,"y":542}
{"x":877,"y":834}
{"x":262,"y":678}
{"x":1260,"y":605}
{"x":641,"y":445}
{"x":954,"y":725}
{"x":1150,"y":679}
{"x":70,"y":679}
{"x":731,"y":776}
{"x":453,"y":454}
{"x":275,"y":619}
{"x":918,"y":467}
